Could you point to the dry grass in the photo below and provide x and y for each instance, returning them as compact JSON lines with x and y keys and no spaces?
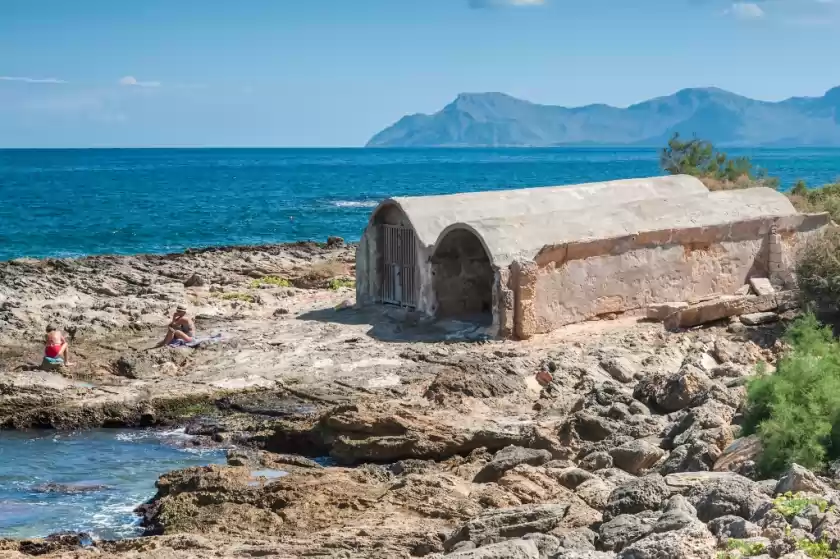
{"x":319,"y":274}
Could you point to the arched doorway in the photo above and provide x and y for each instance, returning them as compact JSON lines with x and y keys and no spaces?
{"x":463,"y":277}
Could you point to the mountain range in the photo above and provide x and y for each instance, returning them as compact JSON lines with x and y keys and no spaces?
{"x":722,"y":117}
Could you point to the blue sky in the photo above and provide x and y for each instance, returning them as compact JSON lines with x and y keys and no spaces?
{"x":109,"y":73}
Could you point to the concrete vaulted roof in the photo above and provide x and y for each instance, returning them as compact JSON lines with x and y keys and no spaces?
{"x":518,"y":224}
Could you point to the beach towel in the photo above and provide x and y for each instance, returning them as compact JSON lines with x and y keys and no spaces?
{"x":196,"y":341}
{"x":55,"y":361}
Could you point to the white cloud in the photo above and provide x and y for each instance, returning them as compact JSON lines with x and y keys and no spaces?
{"x":745,"y":10}
{"x":479,"y":4}
{"x":131,"y":81}
{"x":30,"y":80}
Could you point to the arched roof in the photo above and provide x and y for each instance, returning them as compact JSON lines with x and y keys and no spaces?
{"x":432,"y":214}
{"x":517,"y":224}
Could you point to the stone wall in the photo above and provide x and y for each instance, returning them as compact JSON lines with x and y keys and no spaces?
{"x":578,"y":281}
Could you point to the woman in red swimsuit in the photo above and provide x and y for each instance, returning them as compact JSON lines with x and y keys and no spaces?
{"x":56,"y":345}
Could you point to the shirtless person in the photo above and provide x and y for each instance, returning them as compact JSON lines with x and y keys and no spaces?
{"x":56,"y":345}
{"x":181,"y":327}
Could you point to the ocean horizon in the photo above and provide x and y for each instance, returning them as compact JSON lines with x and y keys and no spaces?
{"x":70,"y":202}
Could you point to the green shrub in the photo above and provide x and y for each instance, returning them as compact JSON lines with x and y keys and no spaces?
{"x":816,"y":550}
{"x":792,"y":504}
{"x":817,"y":200}
{"x":795,"y":411}
{"x":337,"y":283}
{"x":818,"y":270}
{"x":744,"y":549}
{"x":274,"y":281}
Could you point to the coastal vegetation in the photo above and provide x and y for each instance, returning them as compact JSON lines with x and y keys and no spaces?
{"x":795,"y":411}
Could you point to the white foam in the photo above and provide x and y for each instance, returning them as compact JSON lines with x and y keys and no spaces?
{"x":354,"y":204}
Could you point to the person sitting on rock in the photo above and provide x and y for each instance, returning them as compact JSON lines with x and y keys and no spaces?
{"x":55,"y":346}
{"x":181,"y":329}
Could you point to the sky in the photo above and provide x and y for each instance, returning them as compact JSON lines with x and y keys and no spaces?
{"x":329,"y":73}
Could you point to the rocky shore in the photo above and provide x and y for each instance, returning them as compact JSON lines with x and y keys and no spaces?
{"x":375,"y":433}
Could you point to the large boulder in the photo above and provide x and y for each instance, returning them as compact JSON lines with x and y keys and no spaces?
{"x":692,"y":542}
{"x":511,"y":549}
{"x":673,"y":392}
{"x":624,"y":529}
{"x":727,"y":495}
{"x":508,"y":458}
{"x":639,"y":495}
{"x":514,"y":522}
{"x":798,"y":478}
{"x":636,"y":456}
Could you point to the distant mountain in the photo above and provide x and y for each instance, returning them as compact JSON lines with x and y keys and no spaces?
{"x":496,"y":119}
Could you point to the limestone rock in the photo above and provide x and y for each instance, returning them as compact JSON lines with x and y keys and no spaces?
{"x":595,"y":492}
{"x":676,"y":391}
{"x":636,"y":456}
{"x":762,"y":286}
{"x":511,"y":549}
{"x":620,"y":368}
{"x":797,"y":479}
{"x":692,"y":542}
{"x":623,"y":530}
{"x":513,"y":522}
{"x":596,"y":461}
{"x":724,"y":307}
{"x":638,"y":495}
{"x":195,"y":280}
{"x":732,"y":526}
{"x":734,"y":495}
{"x":661,"y":311}
{"x":508,"y":458}
{"x":755,"y":319}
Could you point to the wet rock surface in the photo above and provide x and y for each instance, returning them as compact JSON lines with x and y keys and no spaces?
{"x":605,"y":440}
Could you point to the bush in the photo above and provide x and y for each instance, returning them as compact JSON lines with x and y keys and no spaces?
{"x":274,"y":281}
{"x":817,"y":200}
{"x":795,"y":411}
{"x":337,"y":283}
{"x":718,"y":171}
{"x":818,"y":270}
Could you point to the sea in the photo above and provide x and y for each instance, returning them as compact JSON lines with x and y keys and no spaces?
{"x":64,"y":203}
{"x":87,"y":481}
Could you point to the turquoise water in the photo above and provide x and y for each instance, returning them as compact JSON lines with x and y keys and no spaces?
{"x":77,"y":202}
{"x":98,"y":478}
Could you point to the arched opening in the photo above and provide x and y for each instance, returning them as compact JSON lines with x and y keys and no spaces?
{"x":463,"y":277}
{"x":396,"y":257}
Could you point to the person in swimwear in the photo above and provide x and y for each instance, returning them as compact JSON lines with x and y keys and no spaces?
{"x":56,"y":345}
{"x":181,"y":327}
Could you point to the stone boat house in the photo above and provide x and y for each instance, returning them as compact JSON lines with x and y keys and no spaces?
{"x":530,"y":260}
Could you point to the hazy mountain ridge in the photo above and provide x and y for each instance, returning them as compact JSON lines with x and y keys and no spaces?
{"x":725,"y":118}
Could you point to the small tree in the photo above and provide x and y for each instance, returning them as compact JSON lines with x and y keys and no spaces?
{"x":818,"y":270}
{"x":717,"y":170}
{"x":796,"y":410}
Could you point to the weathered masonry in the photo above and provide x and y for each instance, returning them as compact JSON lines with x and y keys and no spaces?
{"x":531,"y":260}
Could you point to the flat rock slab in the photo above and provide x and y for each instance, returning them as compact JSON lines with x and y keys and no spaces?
{"x":686,"y":480}
{"x":762,"y":286}
{"x":733,"y":305}
{"x":737,"y":453}
{"x":661,"y":311}
{"x":757,"y":318}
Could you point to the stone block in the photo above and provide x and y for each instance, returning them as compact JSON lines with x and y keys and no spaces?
{"x":754,"y":319}
{"x":717,"y":309}
{"x":661,"y":311}
{"x":762,"y":286}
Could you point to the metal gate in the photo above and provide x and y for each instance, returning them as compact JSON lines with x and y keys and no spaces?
{"x":399,"y":273}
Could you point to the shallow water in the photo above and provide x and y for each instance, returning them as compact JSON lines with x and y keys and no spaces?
{"x":127,"y":201}
{"x":100,"y":476}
